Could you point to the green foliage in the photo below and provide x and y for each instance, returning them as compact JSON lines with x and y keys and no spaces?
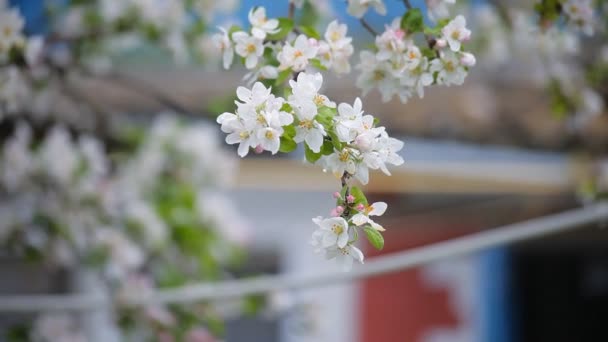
{"x":548,"y":9}
{"x":315,"y":62}
{"x":311,"y":156}
{"x":287,"y":144}
{"x":308,"y":15}
{"x":283,"y":76}
{"x":310,"y":31}
{"x":252,"y":304}
{"x":359,"y":195}
{"x":374,"y":237}
{"x":412,"y":21}
{"x":285,"y":26}
{"x":561,"y":104}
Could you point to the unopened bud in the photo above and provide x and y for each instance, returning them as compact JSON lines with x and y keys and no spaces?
{"x":337,"y":195}
{"x":259,"y":149}
{"x":468,"y":59}
{"x":350,"y":199}
{"x":334,"y":213}
{"x":360,"y":207}
{"x":339,"y":209}
{"x":441,"y":43}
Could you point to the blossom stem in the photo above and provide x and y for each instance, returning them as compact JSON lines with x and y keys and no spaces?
{"x":343,"y":180}
{"x":368,"y":27}
{"x":292,"y":10}
{"x":407,"y":4}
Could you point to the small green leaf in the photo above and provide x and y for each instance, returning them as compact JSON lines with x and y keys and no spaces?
{"x":289,"y":131}
{"x":327,"y":148}
{"x":285,"y":26}
{"x":233,"y":29}
{"x":283,"y":76}
{"x":359,"y":195}
{"x":287,"y":144}
{"x":315,"y":62}
{"x":374,"y":237}
{"x":311,"y":156}
{"x":412,"y":21}
{"x":310,"y":31}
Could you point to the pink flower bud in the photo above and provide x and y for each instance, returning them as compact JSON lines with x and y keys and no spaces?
{"x":360,"y":207}
{"x":337,"y":195}
{"x":259,"y":149}
{"x":350,"y":199}
{"x":339,"y":209}
{"x":468,"y":59}
{"x":334,"y":213}
{"x":313,"y":42}
{"x":441,"y":43}
{"x":399,"y":34}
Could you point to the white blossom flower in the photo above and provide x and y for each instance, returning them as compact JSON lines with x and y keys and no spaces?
{"x":357,"y":8}
{"x":363,"y":217}
{"x":270,"y":139}
{"x":345,"y":256}
{"x":249,"y":47}
{"x":261,"y":25}
{"x":222,"y":42}
{"x":339,"y":162}
{"x":438,"y":9}
{"x":580,"y":14}
{"x":297,"y":56}
{"x":33,"y":50}
{"x":455,"y":32}
{"x":391,"y":41}
{"x":449,"y":68}
{"x":331,"y":232}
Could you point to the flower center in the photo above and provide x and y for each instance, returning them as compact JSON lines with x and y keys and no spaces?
{"x":261,"y":119}
{"x":269,"y":135}
{"x":412,"y":55}
{"x":337,"y":229}
{"x":455,"y":34}
{"x":368,"y":209}
{"x":244,"y":135}
{"x":449,"y":66}
{"x":319,"y":100}
{"x":297,"y":54}
{"x":251,"y":48}
{"x":306,"y":124}
{"x":335,"y":36}
{"x":378,"y":75}
{"x":343,"y":156}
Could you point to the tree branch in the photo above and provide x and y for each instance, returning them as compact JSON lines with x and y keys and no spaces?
{"x":367,"y":26}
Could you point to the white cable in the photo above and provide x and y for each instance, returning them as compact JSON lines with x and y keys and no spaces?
{"x":535,"y":228}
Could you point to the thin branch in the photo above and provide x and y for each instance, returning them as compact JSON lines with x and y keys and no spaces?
{"x":407,"y":4}
{"x":567,"y":221}
{"x":292,"y":10}
{"x":368,"y":27}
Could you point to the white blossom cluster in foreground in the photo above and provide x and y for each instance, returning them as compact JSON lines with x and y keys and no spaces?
{"x":341,"y":138}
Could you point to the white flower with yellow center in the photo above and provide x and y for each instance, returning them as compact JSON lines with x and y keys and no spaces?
{"x":249,"y":47}
{"x":261,"y":25}
{"x":340,"y":162}
{"x":332,"y":232}
{"x":375,"y":209}
{"x":456,"y":32}
{"x":345,"y":256}
{"x":296,"y":56}
{"x":449,"y":69}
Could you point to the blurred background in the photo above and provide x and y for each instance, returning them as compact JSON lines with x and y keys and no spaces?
{"x":525,"y":136}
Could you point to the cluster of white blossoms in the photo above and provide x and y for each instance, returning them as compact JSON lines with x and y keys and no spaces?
{"x":340,"y":138}
{"x":271,"y":50}
{"x":580,"y":15}
{"x":11,"y":27}
{"x":399,"y":67}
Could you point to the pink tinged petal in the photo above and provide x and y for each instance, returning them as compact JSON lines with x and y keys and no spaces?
{"x":378,"y":209}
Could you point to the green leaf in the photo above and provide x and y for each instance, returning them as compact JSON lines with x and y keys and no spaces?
{"x":311,"y":156}
{"x":325,"y":116}
{"x":327,"y":148}
{"x":308,"y":15}
{"x":234,"y":28}
{"x":285,"y":26}
{"x":283,"y":76}
{"x":310,"y":31}
{"x":412,"y":21}
{"x":374,"y":237}
{"x":315,"y":62}
{"x":359,"y":195}
{"x":287,"y":144}
{"x":335,"y":141}
{"x":289,"y":131}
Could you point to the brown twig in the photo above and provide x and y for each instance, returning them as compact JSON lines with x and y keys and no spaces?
{"x":367,"y":26}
